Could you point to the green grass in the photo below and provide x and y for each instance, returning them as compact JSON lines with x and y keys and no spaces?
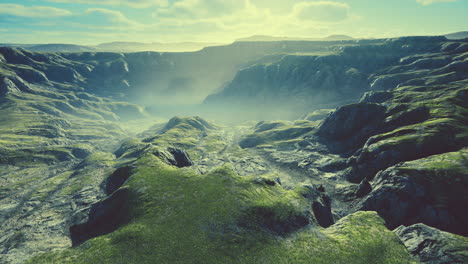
{"x":443,"y":176}
{"x":182,"y":217}
{"x":277,"y":132}
{"x":447,"y":116}
{"x":181,"y":132}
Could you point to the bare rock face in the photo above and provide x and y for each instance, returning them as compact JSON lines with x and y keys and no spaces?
{"x":174,"y":156}
{"x":433,"y":246}
{"x":322,"y":211}
{"x":375,"y":97}
{"x":116,"y":179}
{"x":429,"y":191}
{"x":320,"y":205}
{"x":13,"y":84}
{"x":349,"y":126}
{"x":350,"y":119}
{"x":104,"y":217}
{"x":364,"y":188}
{"x":181,"y":158}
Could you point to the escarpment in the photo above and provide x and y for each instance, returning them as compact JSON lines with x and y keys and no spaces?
{"x":299,"y":152}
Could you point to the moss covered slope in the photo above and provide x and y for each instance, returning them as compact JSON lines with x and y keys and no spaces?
{"x":178,"y":216}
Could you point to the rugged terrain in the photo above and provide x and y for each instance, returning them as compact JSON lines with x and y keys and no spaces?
{"x":370,"y":165}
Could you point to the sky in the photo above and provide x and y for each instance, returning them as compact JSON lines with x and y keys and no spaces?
{"x":90,"y":22}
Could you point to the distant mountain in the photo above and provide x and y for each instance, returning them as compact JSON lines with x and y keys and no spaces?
{"x":115,"y":47}
{"x":457,"y":35}
{"x":392,"y":156}
{"x":338,"y":37}
{"x":60,"y":48}
{"x":16,"y":45}
{"x":155,"y":46}
{"x":271,"y":38}
{"x":303,"y":80}
{"x":263,"y":38}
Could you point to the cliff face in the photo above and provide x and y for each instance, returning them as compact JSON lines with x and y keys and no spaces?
{"x":150,"y":77}
{"x":308,"y":82}
{"x":73,"y":172}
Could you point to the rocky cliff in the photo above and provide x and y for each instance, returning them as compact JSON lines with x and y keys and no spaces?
{"x":88,"y":176}
{"x":305,"y":82}
{"x":150,"y":77}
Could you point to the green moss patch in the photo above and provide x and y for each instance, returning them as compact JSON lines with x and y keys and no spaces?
{"x":182,"y":217}
{"x":270,"y":133}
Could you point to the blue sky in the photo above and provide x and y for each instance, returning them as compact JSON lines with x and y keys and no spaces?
{"x":97,"y":21}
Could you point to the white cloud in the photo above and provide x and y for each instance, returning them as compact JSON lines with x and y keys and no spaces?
{"x":202,"y":8}
{"x":429,"y":2}
{"x":116,"y":17}
{"x":321,"y":11}
{"x":131,"y":3}
{"x":214,"y":20}
{"x":32,"y":11}
{"x":217,"y":19}
{"x":253,"y":12}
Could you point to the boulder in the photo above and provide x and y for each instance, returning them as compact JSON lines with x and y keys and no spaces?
{"x":430,"y":245}
{"x":181,"y":158}
{"x":322,"y":211}
{"x":320,"y":204}
{"x":348,"y":120}
{"x":430,"y":191}
{"x":364,"y":188}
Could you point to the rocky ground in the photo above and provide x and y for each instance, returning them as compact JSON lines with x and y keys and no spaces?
{"x":80,"y":184}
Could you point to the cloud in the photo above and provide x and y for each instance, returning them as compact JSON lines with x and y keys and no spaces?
{"x":131,"y":3}
{"x":208,"y":20}
{"x":228,"y":19}
{"x":202,"y":8}
{"x":32,"y":11}
{"x":430,"y":2}
{"x":321,"y":11}
{"x":116,"y":17}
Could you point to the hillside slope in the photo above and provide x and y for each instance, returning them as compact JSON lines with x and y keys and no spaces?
{"x":300,"y":83}
{"x":379,"y":180}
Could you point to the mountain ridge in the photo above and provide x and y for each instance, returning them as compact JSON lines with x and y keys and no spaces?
{"x":90,"y":175}
{"x":272,"y":38}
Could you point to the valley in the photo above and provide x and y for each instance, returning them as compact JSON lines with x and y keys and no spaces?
{"x":347,"y":151}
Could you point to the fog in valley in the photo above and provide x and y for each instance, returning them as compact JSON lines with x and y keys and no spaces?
{"x":208,"y":131}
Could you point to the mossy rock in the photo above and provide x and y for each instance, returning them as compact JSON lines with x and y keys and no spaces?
{"x":221,"y":217}
{"x":430,"y":191}
{"x":273,"y":133}
{"x":430,"y":245}
{"x":181,"y":132}
{"x":318,"y":115}
{"x":348,"y":120}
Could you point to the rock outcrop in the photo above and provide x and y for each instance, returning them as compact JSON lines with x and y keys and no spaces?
{"x":314,"y":82}
{"x":432,"y":246}
{"x":103,"y":217}
{"x":429,"y":191}
{"x":288,"y":189}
